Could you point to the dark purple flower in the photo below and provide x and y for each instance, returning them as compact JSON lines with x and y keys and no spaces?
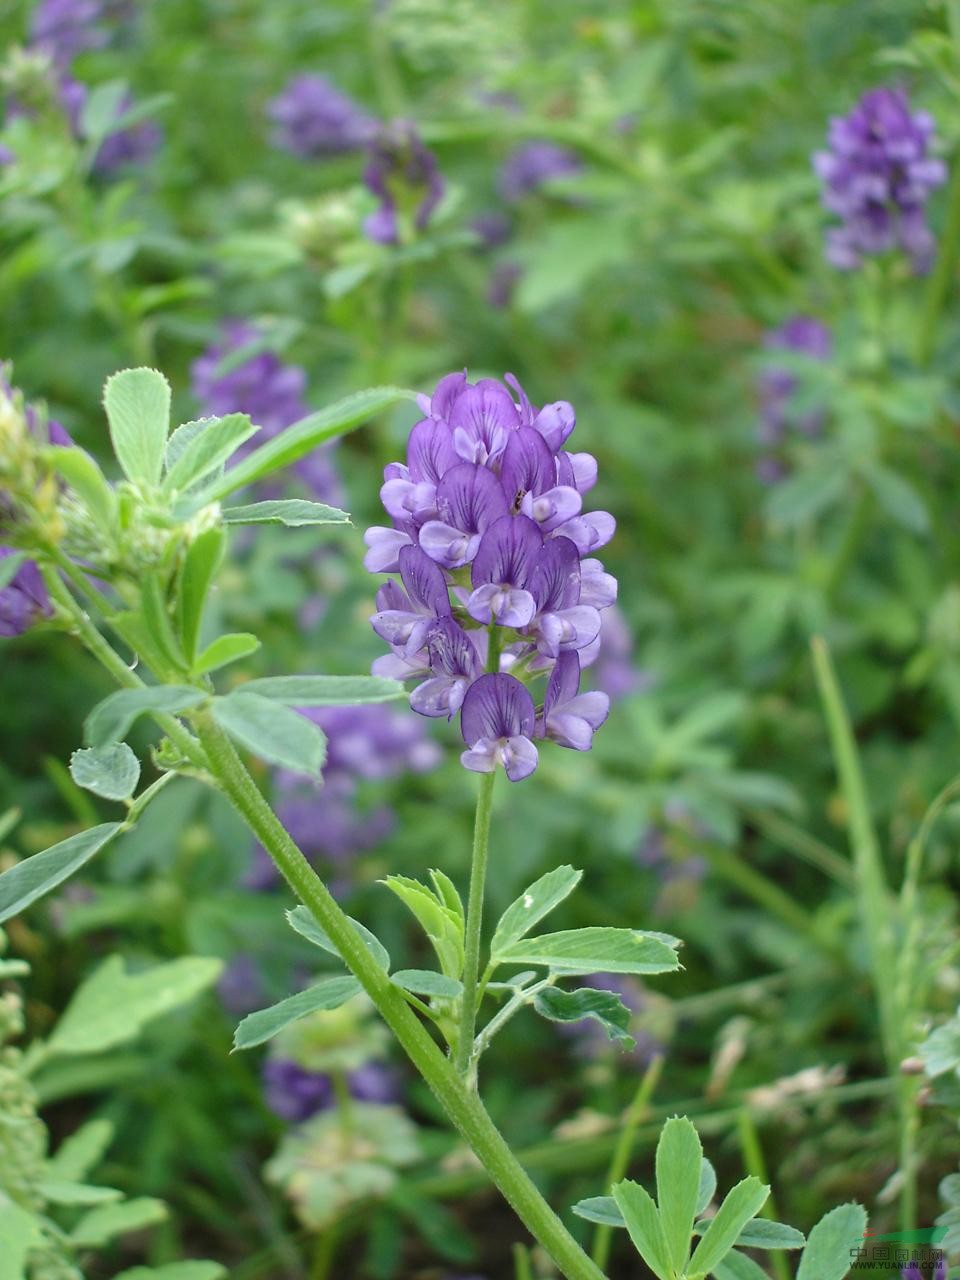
{"x":877,"y":176}
{"x":493,"y":228}
{"x":452,"y":663}
{"x":534,"y":164}
{"x":313,"y":118}
{"x":469,"y":500}
{"x":570,"y":718}
{"x":24,"y":600}
{"x":913,"y":1272}
{"x":800,"y":335}
{"x":406,"y":615}
{"x":405,"y":178}
{"x":229,"y":379}
{"x":502,"y":570}
{"x":497,"y":721}
{"x":374,"y":1082}
{"x":294,"y":1093}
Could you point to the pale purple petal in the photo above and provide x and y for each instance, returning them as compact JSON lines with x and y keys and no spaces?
{"x":383,"y":549}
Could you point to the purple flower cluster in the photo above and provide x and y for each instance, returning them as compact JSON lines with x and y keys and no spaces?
{"x":803,"y":336}
{"x":400,"y":172}
{"x":532,"y":165}
{"x":271,"y":392}
{"x":913,"y":1271}
{"x":62,"y":30}
{"x":313,"y":118}
{"x":295,"y":1093}
{"x":24,"y":599}
{"x":363,"y":744}
{"x":877,"y":175}
{"x":498,"y":581}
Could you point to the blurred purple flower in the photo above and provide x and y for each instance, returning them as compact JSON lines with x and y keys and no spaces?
{"x":271,"y":392}
{"x":614,"y":670}
{"x":877,"y":176}
{"x":405,"y":178}
{"x":493,"y":227}
{"x":240,"y":987}
{"x":800,"y":335}
{"x":913,"y":1272}
{"x":313,"y":118}
{"x":62,"y":29}
{"x":503,"y":281}
{"x":24,"y":600}
{"x":295,"y":1093}
{"x":533,"y":164}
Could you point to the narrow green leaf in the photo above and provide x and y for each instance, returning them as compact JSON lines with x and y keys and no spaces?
{"x":199,"y":569}
{"x":899,"y":499}
{"x":263,"y":1025}
{"x":596,"y":950}
{"x":132,"y":626}
{"x":19,"y":1233}
{"x":605,"y":1007}
{"x":81,"y":1152}
{"x":679,"y":1164}
{"x":224,"y":650}
{"x":292,"y":512}
{"x":302,"y":437}
{"x":176,"y":1271}
{"x":272,"y":731}
{"x":326,"y":691}
{"x":100,"y":1226}
{"x":833,"y":1243}
{"x":78,"y":1193}
{"x":112,"y":771}
{"x":303,"y":922}
{"x":444,"y":928}
{"x":643,"y":1222}
{"x":156,"y":615}
{"x":84,"y":477}
{"x":112,"y":719}
{"x":137,"y":402}
{"x":425,"y":982}
{"x":708,"y":1185}
{"x":741,"y":1203}
{"x":10,"y":567}
{"x":763,"y":1233}
{"x":532,"y":905}
{"x":198,"y":448}
{"x":30,"y":879}
{"x":737,"y":1266}
{"x":602,"y":1210}
{"x":447,"y":892}
{"x":112,"y":1007}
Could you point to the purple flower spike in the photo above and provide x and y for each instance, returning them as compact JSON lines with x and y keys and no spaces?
{"x":405,"y":616}
{"x":877,"y":176}
{"x":469,"y":499}
{"x":399,"y":170}
{"x":504,"y":565}
{"x":62,"y":29}
{"x":24,"y":600}
{"x":497,"y":722}
{"x":570,"y":718}
{"x":313,"y":118}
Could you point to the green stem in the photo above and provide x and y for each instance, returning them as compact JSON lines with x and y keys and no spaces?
{"x":108,"y":657}
{"x":804,"y":845}
{"x":755,"y":885}
{"x":471,"y":960}
{"x":462,"y":1105}
{"x":620,"y":1161}
{"x":940,"y":279}
{"x":755,"y":1164}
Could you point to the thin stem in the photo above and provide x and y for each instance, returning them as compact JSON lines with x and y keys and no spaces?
{"x":471,"y":960}
{"x":513,"y":1006}
{"x":462,"y":1105}
{"x":755,"y":1164}
{"x":804,"y":845}
{"x":620,"y":1162}
{"x":758,"y":887}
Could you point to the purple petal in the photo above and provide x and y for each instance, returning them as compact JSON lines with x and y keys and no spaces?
{"x":447,"y":392}
{"x":424,"y":581}
{"x":482,"y":756}
{"x":528,"y":466}
{"x":564,"y":682}
{"x":589,"y":532}
{"x":496,"y":706}
{"x":508,"y":554}
{"x":384,"y":547}
{"x":519,"y":757}
{"x":482,"y":418}
{"x":430,"y":452}
{"x":507,"y":606}
{"x":470,"y":498}
{"x":597,"y":587}
{"x":440,"y":696}
{"x":556,"y":580}
{"x":553,"y":508}
{"x":448,"y":546}
{"x":555,"y":422}
{"x":451,"y":650}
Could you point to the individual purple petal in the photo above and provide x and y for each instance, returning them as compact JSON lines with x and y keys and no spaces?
{"x":24,"y":600}
{"x":518,"y":755}
{"x":579,"y":470}
{"x":447,"y":391}
{"x":590,"y":531}
{"x":556,"y":580}
{"x":430,"y":451}
{"x":455,"y":662}
{"x":469,"y":499}
{"x":497,"y":706}
{"x":482,"y":418}
{"x":553,"y":508}
{"x":555,"y":423}
{"x":527,"y":466}
{"x":383,"y":549}
{"x":597,"y":587}
{"x":503,"y":567}
{"x":570,"y":718}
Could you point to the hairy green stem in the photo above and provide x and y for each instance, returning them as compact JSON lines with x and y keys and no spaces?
{"x":620,"y":1162}
{"x":471,"y":961}
{"x":461,"y":1104}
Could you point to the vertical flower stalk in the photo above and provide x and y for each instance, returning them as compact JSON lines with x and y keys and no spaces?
{"x":496,"y":605}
